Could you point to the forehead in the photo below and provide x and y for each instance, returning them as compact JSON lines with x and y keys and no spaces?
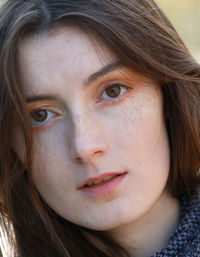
{"x":66,"y":52}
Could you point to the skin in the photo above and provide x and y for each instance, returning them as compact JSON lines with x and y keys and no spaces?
{"x":88,"y":133}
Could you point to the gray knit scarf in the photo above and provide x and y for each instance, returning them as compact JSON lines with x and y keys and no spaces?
{"x":185,"y":242}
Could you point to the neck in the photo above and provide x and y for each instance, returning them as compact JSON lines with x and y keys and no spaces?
{"x":150,"y":233}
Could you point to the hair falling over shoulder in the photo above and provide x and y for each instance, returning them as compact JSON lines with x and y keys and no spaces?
{"x":143,"y":39}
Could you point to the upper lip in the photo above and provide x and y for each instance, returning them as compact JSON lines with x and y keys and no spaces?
{"x":102,"y":176}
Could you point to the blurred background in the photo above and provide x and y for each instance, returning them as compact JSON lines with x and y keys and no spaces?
{"x":185,"y":16}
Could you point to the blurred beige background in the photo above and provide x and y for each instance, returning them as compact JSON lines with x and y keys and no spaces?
{"x":185,"y":16}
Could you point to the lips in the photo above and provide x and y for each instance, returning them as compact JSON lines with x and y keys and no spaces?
{"x":99,"y":179}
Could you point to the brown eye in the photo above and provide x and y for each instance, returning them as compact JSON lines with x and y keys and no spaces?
{"x":39,"y":116}
{"x":113,"y":91}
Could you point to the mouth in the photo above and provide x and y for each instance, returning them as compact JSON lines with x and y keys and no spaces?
{"x":102,"y":184}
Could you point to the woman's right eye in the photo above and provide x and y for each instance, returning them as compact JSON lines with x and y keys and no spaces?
{"x":41,"y":116}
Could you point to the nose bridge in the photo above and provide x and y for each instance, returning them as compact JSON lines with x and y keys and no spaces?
{"x":82,"y":122}
{"x":88,"y":138}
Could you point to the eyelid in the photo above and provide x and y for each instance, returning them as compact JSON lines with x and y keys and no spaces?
{"x":108,"y":85}
{"x":40,"y":125}
{"x":34,"y":107}
{"x":36,"y":123}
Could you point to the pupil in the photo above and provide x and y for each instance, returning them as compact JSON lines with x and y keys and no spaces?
{"x":39,"y":115}
{"x":113,"y":91}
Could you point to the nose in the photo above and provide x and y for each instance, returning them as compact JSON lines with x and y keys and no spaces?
{"x":88,"y":140}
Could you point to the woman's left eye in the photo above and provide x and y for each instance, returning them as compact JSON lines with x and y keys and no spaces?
{"x":41,"y":116}
{"x":113,"y":92}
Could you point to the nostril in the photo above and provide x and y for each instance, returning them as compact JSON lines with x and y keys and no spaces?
{"x":97,"y":152}
{"x":86,"y":156}
{"x":77,"y":159}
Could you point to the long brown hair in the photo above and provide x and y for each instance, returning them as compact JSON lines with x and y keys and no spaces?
{"x":143,"y":39}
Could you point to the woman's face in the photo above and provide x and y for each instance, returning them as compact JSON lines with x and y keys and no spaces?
{"x":93,"y":118}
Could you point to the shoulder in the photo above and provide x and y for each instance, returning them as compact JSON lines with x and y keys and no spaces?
{"x":189,"y":227}
{"x":185,"y":242}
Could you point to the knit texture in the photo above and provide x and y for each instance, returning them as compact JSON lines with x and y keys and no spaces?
{"x":185,"y":242}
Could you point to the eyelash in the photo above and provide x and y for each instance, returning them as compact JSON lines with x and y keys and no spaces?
{"x":38,"y":124}
{"x":114,"y":99}
{"x":52,"y":114}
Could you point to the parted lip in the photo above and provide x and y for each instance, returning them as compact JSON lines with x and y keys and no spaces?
{"x":101,"y":176}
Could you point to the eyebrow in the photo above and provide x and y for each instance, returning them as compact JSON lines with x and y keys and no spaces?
{"x":40,"y":97}
{"x":95,"y":76}
{"x":102,"y":72}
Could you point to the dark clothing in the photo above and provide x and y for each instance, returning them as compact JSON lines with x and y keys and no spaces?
{"x":185,"y":242}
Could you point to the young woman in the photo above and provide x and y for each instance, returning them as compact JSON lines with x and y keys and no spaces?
{"x":100,"y":131}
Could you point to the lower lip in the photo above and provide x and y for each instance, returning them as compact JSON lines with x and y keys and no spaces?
{"x":104,"y":187}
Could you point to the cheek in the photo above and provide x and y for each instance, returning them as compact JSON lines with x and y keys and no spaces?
{"x":140,"y":139}
{"x":50,"y":158}
{"x":139,"y":127}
